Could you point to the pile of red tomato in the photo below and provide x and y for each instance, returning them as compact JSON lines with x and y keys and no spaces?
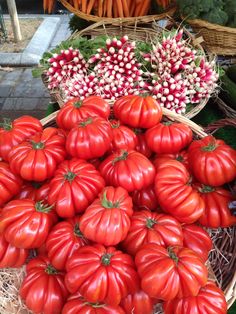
{"x":114,"y":205}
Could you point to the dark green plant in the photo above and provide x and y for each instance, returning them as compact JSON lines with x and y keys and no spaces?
{"x":77,"y":24}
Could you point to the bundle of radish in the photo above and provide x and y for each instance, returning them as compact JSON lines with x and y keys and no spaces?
{"x":114,"y":229}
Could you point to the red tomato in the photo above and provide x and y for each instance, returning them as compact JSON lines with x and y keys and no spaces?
{"x":138,"y":111}
{"x":175,"y":194}
{"x":26,"y":223}
{"x":76,"y":110}
{"x":128,"y":169}
{"x":101,"y":274}
{"x":74,"y":187}
{"x":170,"y":273}
{"x":142,"y":146}
{"x":90,"y":139}
{"x":168,"y":137}
{"x":123,"y":137}
{"x":217,"y":213}
{"x":198,"y":240}
{"x":210,"y":299}
{"x":107,"y":219}
{"x":11,"y":256}
{"x":34,"y":191}
{"x":64,"y":239}
{"x":10,"y":183}
{"x":212,"y":161}
{"x":145,"y":199}
{"x":138,"y":303}
{"x":78,"y":305}
{"x":43,"y":288}
{"x":17,"y":131}
{"x":149,"y":227}
{"x":37,"y":158}
{"x":181,"y":156}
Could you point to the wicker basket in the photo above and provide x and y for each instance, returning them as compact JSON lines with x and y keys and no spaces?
{"x":220,"y":40}
{"x":146,"y":33}
{"x":114,"y":21}
{"x":222,"y":259}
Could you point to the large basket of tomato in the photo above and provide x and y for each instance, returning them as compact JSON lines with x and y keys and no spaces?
{"x":115,"y":211}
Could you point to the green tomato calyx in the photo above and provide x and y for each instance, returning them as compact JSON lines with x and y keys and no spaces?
{"x":108,"y":204}
{"x":115,"y":124}
{"x":123,"y":156}
{"x":167,"y":123}
{"x":42,"y":208}
{"x":50,"y":270}
{"x":37,"y":145}
{"x":150,"y":223}
{"x":210,"y":147}
{"x":206,"y":189}
{"x":69,"y":176}
{"x":6,"y":124}
{"x":78,"y":104}
{"x":77,"y":231}
{"x":106,"y":259}
{"x":180,"y":158}
{"x":95,"y":305}
{"x":86,"y":122}
{"x":172,"y":255}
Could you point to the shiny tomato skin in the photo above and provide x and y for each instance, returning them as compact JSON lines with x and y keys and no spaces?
{"x":17,"y":131}
{"x":107,"y":220}
{"x":181,"y":157}
{"x":37,"y":158}
{"x":175,"y":194}
{"x":75,"y":185}
{"x":10,"y":256}
{"x":76,"y":304}
{"x":210,"y":300}
{"x":197,"y":239}
{"x":145,"y":199}
{"x":34,"y":191}
{"x":64,"y":239}
{"x":149,"y":227}
{"x":101,"y":274}
{"x":165,"y":272}
{"x":26,"y":223}
{"x":76,"y":110}
{"x":212,"y":161}
{"x":142,"y":146}
{"x":138,"y":303}
{"x":43,"y":288}
{"x":128,"y":169}
{"x":10,"y":183}
{"x":122,"y":136}
{"x":90,"y":139}
{"x":217,"y":213}
{"x":168,"y":138}
{"x":138,"y":111}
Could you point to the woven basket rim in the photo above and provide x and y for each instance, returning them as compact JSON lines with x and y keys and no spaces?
{"x":212,"y":26}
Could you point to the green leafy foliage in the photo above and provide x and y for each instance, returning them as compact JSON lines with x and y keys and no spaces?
{"x":77,"y":24}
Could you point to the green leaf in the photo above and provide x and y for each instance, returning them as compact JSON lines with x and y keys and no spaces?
{"x":37,"y":72}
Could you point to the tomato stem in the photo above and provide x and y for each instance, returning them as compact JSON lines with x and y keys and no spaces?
{"x":172,"y":255}
{"x":38,"y":145}
{"x":6,"y":124}
{"x":77,"y":231}
{"x":108,"y":204}
{"x":42,"y":208}
{"x":179,"y":158}
{"x":50,"y":270}
{"x":206,"y":189}
{"x":78,"y":104}
{"x":115,"y":124}
{"x":69,"y":176}
{"x":86,"y":122}
{"x":95,"y":305}
{"x":210,"y":147}
{"x":167,"y":123}
{"x":123,"y":156}
{"x":150,"y":223}
{"x":106,"y":259}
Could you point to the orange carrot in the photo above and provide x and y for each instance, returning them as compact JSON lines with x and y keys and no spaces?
{"x":132,"y":8}
{"x":115,"y":9}
{"x":120,"y":8}
{"x":109,"y":8}
{"x":125,"y":8}
{"x":75,"y":4}
{"x":100,"y":8}
{"x":45,"y":5}
{"x":90,"y":6}
{"x":138,"y":7}
{"x":84,"y":6}
{"x":104,"y":8}
{"x":144,"y":8}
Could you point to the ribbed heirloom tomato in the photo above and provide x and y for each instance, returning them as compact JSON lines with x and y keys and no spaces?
{"x":128,"y":169}
{"x":175,"y":194}
{"x":75,"y":185}
{"x":15,"y":132}
{"x":168,"y":137}
{"x":64,"y":239}
{"x":101,"y":274}
{"x":37,"y":158}
{"x":107,"y":219}
{"x":168,"y":273}
{"x":26,"y":223}
{"x":138,"y":111}
{"x":91,"y":138}
{"x":76,"y":110}
{"x":142,"y":146}
{"x":10,"y":183}
{"x":212,"y":161}
{"x":138,"y":303}
{"x":181,"y":157}
{"x":149,"y":227}
{"x":10,"y":256}
{"x":78,"y":305}
{"x":34,"y":191}
{"x":210,"y":300}
{"x":43,"y":288}
{"x":145,"y":199}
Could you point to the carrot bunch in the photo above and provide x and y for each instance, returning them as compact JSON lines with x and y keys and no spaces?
{"x":164,"y":3}
{"x":48,"y":5}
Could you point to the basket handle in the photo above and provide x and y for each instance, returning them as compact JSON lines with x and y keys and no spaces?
{"x":213,"y":127}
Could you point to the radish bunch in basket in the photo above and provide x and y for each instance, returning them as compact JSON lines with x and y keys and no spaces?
{"x":113,"y":205}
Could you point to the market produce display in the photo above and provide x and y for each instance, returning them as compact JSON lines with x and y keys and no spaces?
{"x":113,"y":228}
